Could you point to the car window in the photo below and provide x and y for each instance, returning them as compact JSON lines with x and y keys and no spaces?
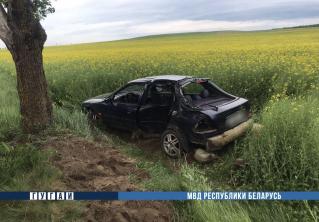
{"x":160,"y":94}
{"x":130,"y":94}
{"x":201,"y":92}
{"x":193,"y":88}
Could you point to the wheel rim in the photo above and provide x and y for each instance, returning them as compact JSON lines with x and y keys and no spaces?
{"x":171,"y":145}
{"x":92,"y":116}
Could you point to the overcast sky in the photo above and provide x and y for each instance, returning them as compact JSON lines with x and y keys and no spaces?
{"x":77,"y":21}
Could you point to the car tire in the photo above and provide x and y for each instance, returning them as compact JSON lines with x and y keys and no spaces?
{"x":174,"y":143}
{"x":92,"y":118}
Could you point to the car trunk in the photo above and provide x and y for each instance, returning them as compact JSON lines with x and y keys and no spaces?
{"x":213,"y":103}
{"x":226,"y":111}
{"x":229,"y":112}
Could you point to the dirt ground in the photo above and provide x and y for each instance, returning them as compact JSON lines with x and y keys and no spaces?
{"x":152,"y":151}
{"x":90,"y":166}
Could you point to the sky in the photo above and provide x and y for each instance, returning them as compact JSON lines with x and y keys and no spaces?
{"x":79,"y":21}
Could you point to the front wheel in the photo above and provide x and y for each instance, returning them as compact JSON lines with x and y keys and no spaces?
{"x":173,"y":143}
{"x":92,"y":118}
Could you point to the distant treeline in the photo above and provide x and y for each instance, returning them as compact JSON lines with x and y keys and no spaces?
{"x":303,"y":26}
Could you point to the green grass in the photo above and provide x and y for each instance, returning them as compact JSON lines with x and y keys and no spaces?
{"x":9,"y":115}
{"x":194,"y":179}
{"x":285,"y":154}
{"x":73,"y":119}
{"x":26,"y":168}
{"x":22,"y":166}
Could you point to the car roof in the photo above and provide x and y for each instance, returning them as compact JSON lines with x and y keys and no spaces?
{"x":175,"y":78}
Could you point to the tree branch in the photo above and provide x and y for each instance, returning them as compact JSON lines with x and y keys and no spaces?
{"x":5,"y":32}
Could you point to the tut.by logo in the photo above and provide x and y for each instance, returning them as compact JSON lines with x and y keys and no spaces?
{"x":51,"y":195}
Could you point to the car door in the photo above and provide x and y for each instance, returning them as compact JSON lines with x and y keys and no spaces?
{"x":123,"y":107}
{"x":156,"y":106}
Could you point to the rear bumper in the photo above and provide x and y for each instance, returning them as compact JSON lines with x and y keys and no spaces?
{"x":219,"y":141}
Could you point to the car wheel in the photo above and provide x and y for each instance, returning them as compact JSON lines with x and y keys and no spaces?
{"x":173,"y":143}
{"x":92,"y":118}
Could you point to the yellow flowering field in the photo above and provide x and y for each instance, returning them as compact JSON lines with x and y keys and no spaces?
{"x":256,"y":65}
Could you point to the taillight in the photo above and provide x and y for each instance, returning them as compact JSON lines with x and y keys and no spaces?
{"x":203,"y":126}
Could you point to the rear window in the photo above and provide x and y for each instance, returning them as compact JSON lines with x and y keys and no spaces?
{"x":203,"y":92}
{"x":193,"y":88}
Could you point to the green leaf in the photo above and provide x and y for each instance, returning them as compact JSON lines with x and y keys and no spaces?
{"x":5,"y":149}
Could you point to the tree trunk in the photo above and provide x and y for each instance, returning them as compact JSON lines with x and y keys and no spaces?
{"x":35,"y":104}
{"x":21,"y":31}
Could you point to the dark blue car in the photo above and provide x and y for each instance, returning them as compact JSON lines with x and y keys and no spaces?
{"x":186,"y":111}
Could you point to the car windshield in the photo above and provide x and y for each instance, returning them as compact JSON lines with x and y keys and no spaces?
{"x":130,"y":94}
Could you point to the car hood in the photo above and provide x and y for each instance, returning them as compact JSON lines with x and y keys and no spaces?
{"x":98,"y":99}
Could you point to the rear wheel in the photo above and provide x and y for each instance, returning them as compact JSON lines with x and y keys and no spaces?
{"x":173,"y":143}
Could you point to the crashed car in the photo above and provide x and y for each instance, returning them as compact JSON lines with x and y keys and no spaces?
{"x":186,"y":111}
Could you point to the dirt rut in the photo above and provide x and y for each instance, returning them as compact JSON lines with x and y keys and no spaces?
{"x":90,"y":166}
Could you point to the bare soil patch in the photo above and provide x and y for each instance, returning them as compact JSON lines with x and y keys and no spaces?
{"x":91,"y":166}
{"x":151,"y":146}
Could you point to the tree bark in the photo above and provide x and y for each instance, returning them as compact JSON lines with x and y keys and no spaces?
{"x":24,"y":37}
{"x":35,"y":104}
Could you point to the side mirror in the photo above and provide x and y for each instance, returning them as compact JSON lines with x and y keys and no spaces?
{"x":112,"y":100}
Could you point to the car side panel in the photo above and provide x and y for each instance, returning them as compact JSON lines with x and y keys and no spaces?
{"x":153,"y":118}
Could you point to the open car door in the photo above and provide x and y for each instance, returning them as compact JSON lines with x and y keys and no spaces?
{"x":156,"y":107}
{"x":122,"y":112}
